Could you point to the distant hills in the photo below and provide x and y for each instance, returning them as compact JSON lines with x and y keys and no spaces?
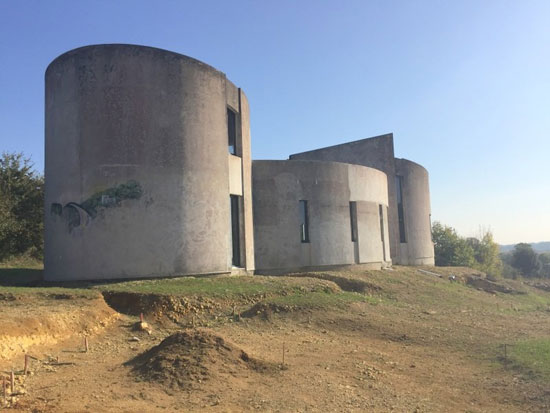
{"x":537,"y":246}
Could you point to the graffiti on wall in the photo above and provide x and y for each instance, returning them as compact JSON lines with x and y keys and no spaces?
{"x":80,"y":214}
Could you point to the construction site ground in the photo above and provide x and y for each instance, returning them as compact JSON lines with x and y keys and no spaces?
{"x":406,"y":339}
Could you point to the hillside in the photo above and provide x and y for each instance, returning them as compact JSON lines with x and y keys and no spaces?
{"x":537,"y":246}
{"x":407,"y":339}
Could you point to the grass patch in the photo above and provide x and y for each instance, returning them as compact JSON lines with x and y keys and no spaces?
{"x":321,"y":299}
{"x":532,"y":357}
{"x":22,"y":262}
{"x":220,"y":287}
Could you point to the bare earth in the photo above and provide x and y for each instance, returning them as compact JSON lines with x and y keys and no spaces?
{"x":419,"y":344}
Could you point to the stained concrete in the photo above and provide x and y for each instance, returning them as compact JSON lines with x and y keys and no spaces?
{"x":378,"y":152}
{"x":278,"y":186}
{"x":152,"y":120}
{"x":418,"y":250}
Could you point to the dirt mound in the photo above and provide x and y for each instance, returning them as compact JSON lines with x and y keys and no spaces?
{"x":266,"y":310}
{"x":345,"y":283}
{"x":188,"y":358}
{"x":490,"y":286}
{"x":158,"y":305}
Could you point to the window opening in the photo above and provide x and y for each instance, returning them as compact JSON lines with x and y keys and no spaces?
{"x":235,"y":233}
{"x":353,"y":220}
{"x":304,"y":222}
{"x":400,"y":211}
{"x":232,"y":131}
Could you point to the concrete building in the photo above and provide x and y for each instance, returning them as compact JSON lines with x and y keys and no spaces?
{"x":148,"y":169}
{"x":408,"y":194}
{"x":311,"y":214}
{"x":148,"y":174}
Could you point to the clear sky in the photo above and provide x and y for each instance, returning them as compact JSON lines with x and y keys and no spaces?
{"x":463,"y":85}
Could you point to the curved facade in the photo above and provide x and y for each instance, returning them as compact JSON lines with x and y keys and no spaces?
{"x":147,"y":166}
{"x":408,"y":194}
{"x":310,"y":214}
{"x":418,"y":248}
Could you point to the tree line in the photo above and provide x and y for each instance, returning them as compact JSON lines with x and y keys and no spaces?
{"x":21,"y":208}
{"x":483,"y":254}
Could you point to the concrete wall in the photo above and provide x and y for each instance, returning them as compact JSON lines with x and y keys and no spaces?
{"x":376,"y":152}
{"x":137,"y":165}
{"x":419,"y":248}
{"x":278,"y":186}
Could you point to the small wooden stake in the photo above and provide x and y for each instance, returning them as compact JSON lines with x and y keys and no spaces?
{"x":505,"y":355}
{"x":12,"y":384}
{"x":86,"y":347}
{"x":141,"y":317}
{"x":283,"y":353}
{"x":26,"y":364}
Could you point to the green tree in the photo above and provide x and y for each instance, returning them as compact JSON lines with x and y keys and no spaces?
{"x":544,"y":259}
{"x":526,"y":260}
{"x":21,"y":206}
{"x":450,"y":248}
{"x":486,"y":254}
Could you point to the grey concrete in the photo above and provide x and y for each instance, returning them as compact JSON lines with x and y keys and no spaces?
{"x":278,"y":186}
{"x":419,"y":248}
{"x":137,"y":165}
{"x":378,"y":152}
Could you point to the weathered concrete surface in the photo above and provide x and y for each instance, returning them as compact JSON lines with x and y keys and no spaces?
{"x":137,"y":169}
{"x":278,"y":186}
{"x":248,"y":232}
{"x":419,"y":248}
{"x":378,"y":152}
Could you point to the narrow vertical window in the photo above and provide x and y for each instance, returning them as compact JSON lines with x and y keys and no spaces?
{"x":400,"y":211}
{"x":353,"y":220}
{"x":232,"y":131}
{"x":235,"y":233}
{"x":304,"y":222}
{"x":381,"y":214}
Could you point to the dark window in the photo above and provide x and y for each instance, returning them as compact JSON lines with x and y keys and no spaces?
{"x":304,"y":222}
{"x":232,"y":131}
{"x":400,"y":211}
{"x":381,"y":213}
{"x":353,"y":220}
{"x":235,"y":233}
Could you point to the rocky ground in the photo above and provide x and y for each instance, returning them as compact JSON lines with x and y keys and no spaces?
{"x":400,"y":340}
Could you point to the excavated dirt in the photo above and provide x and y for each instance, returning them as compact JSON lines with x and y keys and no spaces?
{"x":266,"y":311}
{"x":31,"y":323}
{"x":345,"y":283}
{"x":186,"y":359}
{"x":423,"y":344}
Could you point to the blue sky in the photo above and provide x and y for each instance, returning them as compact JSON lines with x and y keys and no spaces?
{"x":463,"y":85}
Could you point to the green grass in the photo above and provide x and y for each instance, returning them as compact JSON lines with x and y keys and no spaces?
{"x":319,"y":299}
{"x":532,"y":357}
{"x":221,"y":287}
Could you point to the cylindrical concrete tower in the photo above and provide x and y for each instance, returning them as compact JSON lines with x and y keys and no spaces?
{"x":413,"y":204}
{"x":312,"y":214}
{"x":147,"y":166}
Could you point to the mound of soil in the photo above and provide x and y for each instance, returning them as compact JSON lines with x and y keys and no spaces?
{"x":158,"y":305}
{"x":266,"y":310}
{"x":188,"y":358}
{"x":490,"y":286}
{"x":345,"y":283}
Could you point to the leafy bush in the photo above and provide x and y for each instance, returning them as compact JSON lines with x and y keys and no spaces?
{"x":21,"y":206}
